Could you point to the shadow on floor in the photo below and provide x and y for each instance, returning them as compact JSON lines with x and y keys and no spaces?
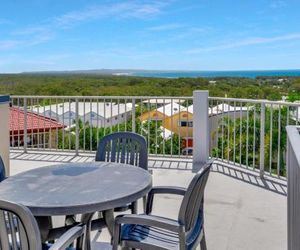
{"x":240,"y":173}
{"x":269,"y":183}
{"x":155,"y":163}
{"x":172,"y":164}
{"x":50,"y":157}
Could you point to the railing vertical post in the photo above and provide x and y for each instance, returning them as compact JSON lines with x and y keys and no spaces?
{"x":133,"y":115}
{"x":77,"y":127}
{"x":200,"y":127}
{"x":25,"y":125}
{"x":262,"y":139}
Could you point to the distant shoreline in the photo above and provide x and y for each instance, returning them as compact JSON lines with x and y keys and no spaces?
{"x":172,"y":73}
{"x":215,"y":74}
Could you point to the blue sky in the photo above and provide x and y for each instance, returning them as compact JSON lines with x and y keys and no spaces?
{"x":158,"y":34}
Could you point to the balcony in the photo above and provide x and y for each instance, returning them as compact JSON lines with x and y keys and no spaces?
{"x":242,"y":211}
{"x":246,"y":196}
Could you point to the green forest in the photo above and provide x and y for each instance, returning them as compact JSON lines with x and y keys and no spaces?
{"x":272,"y":88}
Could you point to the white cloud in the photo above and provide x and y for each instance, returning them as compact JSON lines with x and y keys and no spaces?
{"x":125,"y":9}
{"x":165,"y":27}
{"x":198,"y":30}
{"x":24,"y":42}
{"x":47,"y":29}
{"x":31,"y":30}
{"x":246,"y":42}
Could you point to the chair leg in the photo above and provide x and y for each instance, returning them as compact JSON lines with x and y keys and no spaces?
{"x":144,"y":203}
{"x":100,"y":215}
{"x":134,"y":207}
{"x":45,"y":224}
{"x":109,"y":219}
{"x":203,"y":242}
{"x":116,"y":237}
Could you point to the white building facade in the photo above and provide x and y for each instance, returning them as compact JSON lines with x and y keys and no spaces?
{"x":96,"y":114}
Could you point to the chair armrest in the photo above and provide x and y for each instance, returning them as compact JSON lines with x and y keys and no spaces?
{"x":149,"y":220}
{"x":68,"y":237}
{"x":162,"y":190}
{"x":57,"y":232}
{"x":168,"y":190}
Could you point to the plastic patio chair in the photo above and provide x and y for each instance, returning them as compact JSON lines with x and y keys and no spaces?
{"x":19,"y":231}
{"x":147,"y":231}
{"x":2,"y":170}
{"x":124,"y":147}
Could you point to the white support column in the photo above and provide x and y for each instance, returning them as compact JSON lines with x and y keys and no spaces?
{"x":4,"y":132}
{"x":200,"y":127}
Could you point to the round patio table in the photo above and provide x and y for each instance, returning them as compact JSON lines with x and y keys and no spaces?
{"x":76,"y":188}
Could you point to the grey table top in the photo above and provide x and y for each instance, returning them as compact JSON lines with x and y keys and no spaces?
{"x":76,"y":188}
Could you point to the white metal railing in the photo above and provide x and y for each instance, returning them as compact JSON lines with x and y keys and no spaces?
{"x":86,"y":119}
{"x":293,"y":204}
{"x":243,"y":132}
{"x":252,"y":132}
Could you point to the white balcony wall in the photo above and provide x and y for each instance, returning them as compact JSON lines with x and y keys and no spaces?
{"x":4,"y":132}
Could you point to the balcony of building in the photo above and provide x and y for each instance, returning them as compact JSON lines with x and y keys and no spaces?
{"x":246,"y":195}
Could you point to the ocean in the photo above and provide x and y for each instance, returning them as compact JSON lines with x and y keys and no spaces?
{"x":246,"y":73}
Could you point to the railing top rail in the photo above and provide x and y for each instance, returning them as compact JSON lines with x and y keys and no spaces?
{"x":254,"y":101}
{"x":293,"y":134}
{"x":103,"y":97}
{"x":225,"y":99}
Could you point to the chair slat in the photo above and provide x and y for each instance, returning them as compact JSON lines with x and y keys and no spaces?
{"x":136,"y":158}
{"x":123,"y":148}
{"x":128,"y":151}
{"x":108,"y":151}
{"x":4,"y":240}
{"x":113,"y":150}
{"x":22,"y":236}
{"x":133,"y":153}
{"x":118,"y":150}
{"x":13,"y":232}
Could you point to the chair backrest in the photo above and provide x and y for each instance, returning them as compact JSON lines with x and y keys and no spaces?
{"x":2,"y":170}
{"x":18,"y":228}
{"x":123,"y":147}
{"x":192,"y":204}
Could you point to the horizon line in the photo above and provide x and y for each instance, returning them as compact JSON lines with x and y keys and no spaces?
{"x":155,"y":70}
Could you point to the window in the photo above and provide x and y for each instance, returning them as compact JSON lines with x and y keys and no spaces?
{"x":185,"y":124}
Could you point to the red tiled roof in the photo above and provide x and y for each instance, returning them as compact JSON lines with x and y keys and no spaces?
{"x":35,"y":122}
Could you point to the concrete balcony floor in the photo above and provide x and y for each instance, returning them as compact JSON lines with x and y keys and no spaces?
{"x":242,"y":211}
